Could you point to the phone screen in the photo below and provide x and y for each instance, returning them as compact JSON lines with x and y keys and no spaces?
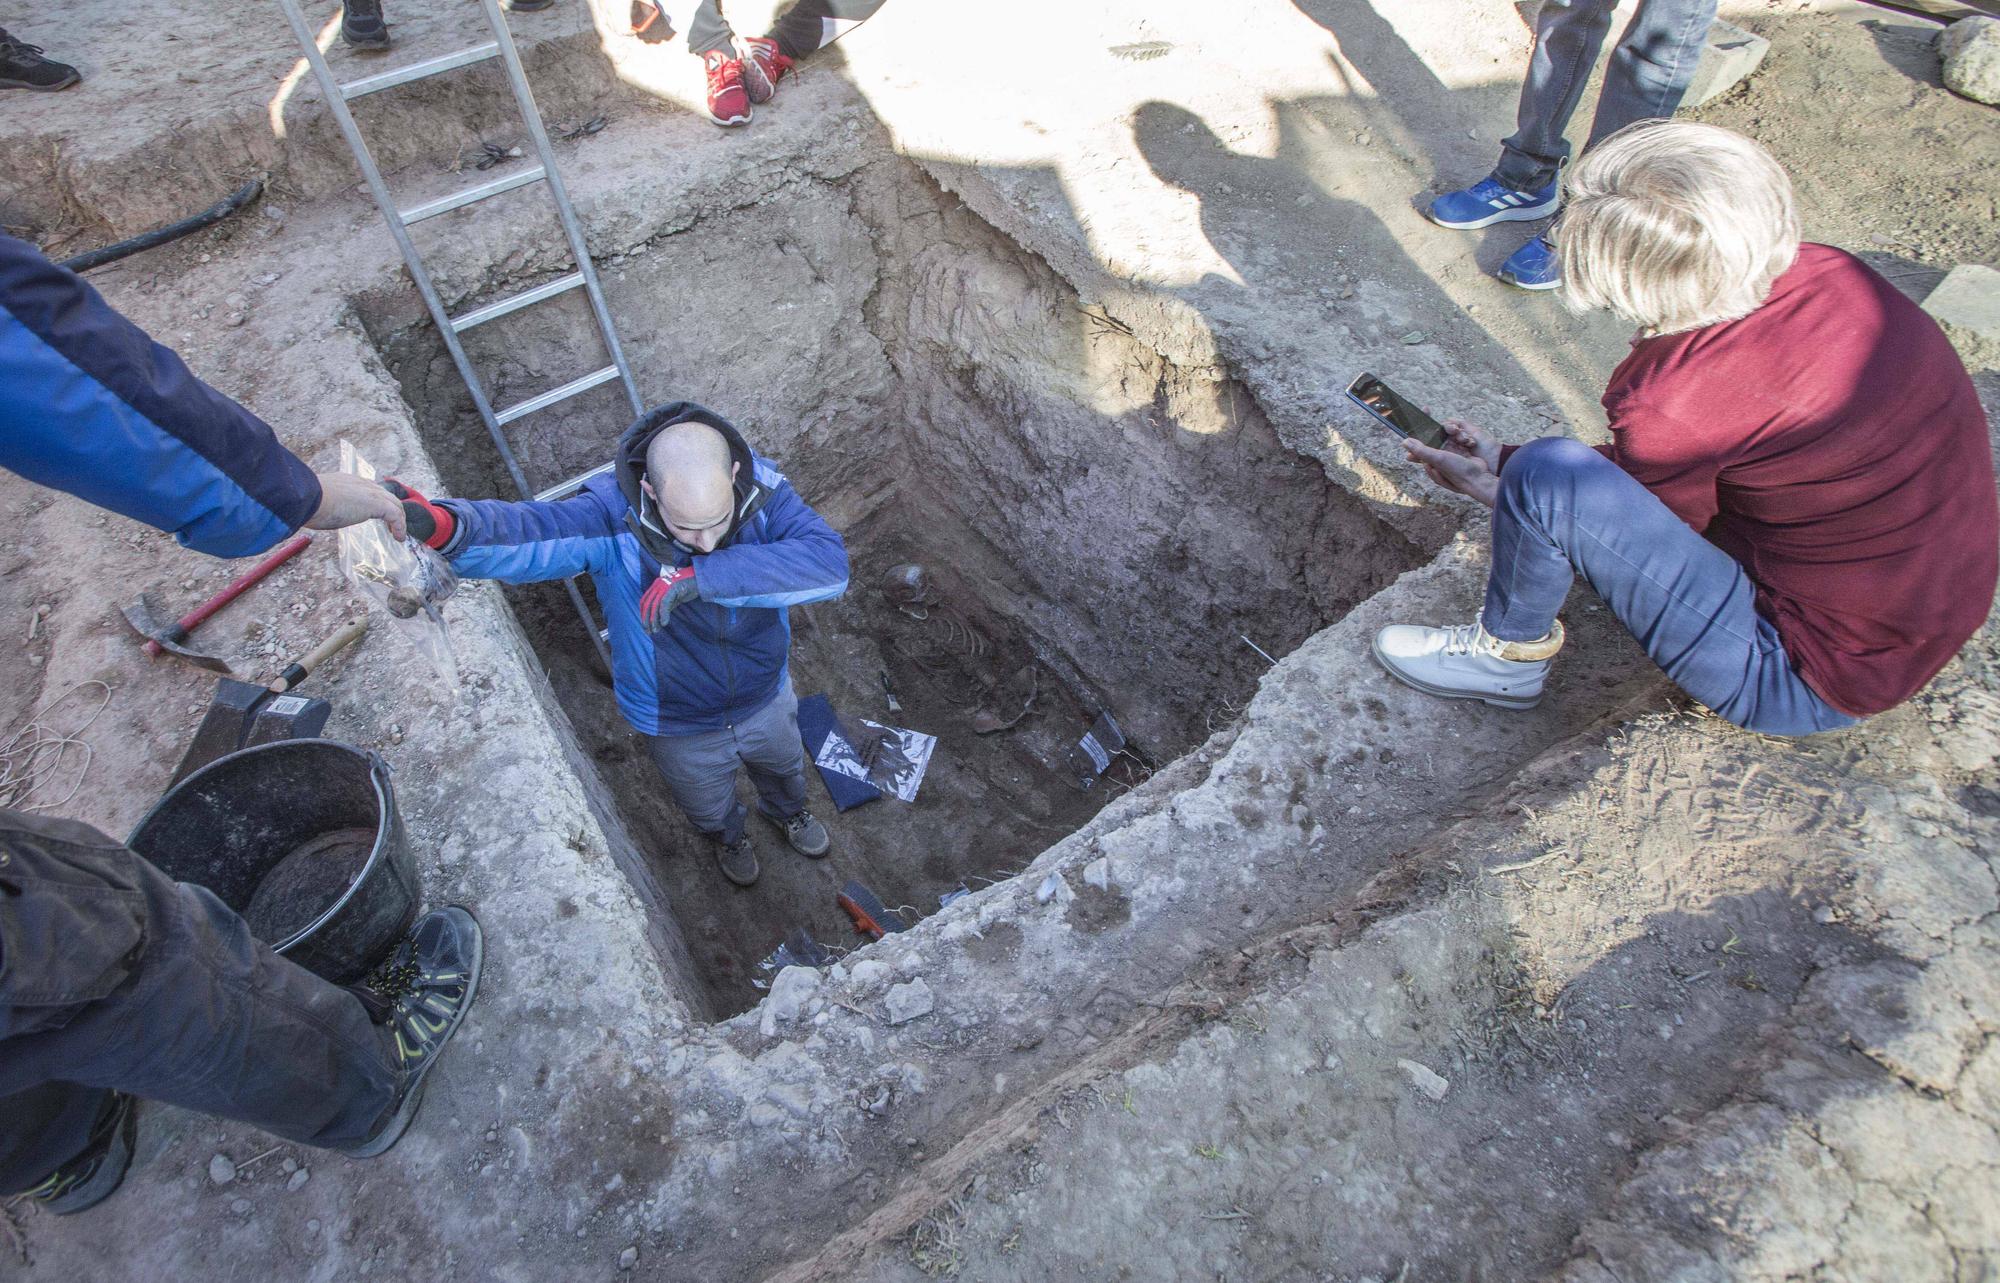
{"x":1382,"y":401}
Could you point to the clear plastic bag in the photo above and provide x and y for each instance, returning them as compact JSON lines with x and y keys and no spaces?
{"x":402,"y":576}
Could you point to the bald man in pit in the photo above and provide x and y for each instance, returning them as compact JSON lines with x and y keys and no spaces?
{"x":697,"y":548}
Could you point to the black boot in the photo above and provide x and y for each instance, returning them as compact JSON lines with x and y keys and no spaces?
{"x":363,"y":26}
{"x":421,"y":994}
{"x":23,"y":67}
{"x":89,"y":1178}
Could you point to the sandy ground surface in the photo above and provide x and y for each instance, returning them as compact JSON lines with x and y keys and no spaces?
{"x":1366,"y":986}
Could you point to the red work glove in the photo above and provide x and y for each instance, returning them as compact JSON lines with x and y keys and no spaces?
{"x":429,"y":524}
{"x":661,"y":596}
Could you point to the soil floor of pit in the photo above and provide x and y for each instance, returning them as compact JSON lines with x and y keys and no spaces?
{"x":1364,"y":986}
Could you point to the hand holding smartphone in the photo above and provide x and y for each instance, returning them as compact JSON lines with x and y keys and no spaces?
{"x":1400,"y":416}
{"x":1460,"y":458}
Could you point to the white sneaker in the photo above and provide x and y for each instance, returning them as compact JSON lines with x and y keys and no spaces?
{"x":1467,"y":662}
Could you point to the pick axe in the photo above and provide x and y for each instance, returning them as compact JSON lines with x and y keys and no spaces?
{"x":164,"y":633}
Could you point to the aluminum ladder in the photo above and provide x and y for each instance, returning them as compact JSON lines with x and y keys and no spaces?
{"x":400,"y":219}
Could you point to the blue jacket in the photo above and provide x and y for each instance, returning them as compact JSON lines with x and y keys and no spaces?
{"x":720,"y":657}
{"x":89,"y":404}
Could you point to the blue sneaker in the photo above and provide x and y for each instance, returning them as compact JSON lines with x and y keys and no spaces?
{"x":1491,"y":201}
{"x":1534,"y":266}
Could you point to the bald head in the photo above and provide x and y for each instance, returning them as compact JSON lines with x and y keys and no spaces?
{"x":690,"y":475}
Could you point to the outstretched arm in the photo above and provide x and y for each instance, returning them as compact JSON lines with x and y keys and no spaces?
{"x":525,"y":542}
{"x":90,"y":405}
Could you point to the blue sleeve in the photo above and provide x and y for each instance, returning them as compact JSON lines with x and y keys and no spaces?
{"x":525,"y":542}
{"x":801,"y":559}
{"x":92,"y":406}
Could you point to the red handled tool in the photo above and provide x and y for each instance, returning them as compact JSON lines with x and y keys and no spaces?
{"x":143,"y":614}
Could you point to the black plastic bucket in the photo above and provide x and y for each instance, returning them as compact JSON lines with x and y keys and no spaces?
{"x":303,"y":838}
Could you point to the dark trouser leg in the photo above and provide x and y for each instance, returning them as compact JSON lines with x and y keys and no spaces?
{"x":815,"y":24}
{"x":708,"y":30}
{"x":113,"y":976}
{"x":770,"y":746}
{"x":1564,"y":508}
{"x":1652,"y":65}
{"x":700,"y":771}
{"x":1568,"y":36}
{"x":44,"y":1127}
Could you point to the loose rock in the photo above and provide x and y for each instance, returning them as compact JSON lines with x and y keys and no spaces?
{"x":628,"y":1258}
{"x":221,"y":1170}
{"x":790,"y":990}
{"x":1425,"y":1079}
{"x":908,"y":1001}
{"x":1970,"y":49}
{"x":299,"y":1179}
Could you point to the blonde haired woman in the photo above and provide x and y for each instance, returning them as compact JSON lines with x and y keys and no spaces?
{"x":1796,"y":516}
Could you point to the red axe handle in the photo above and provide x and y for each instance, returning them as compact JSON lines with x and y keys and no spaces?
{"x":237,"y":587}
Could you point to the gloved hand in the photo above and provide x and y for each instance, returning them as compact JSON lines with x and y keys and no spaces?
{"x":430,"y":525}
{"x":661,"y":596}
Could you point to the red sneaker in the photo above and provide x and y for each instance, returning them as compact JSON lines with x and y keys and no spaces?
{"x":763,"y":67}
{"x":728,"y":101}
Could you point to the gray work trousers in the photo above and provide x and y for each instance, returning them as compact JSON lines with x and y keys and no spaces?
{"x":806,"y":26}
{"x":114,"y":977}
{"x":701,"y":768}
{"x":1647,"y":74}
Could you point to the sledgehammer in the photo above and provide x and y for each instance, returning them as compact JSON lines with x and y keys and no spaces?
{"x":150,"y":621}
{"x":243,"y":714}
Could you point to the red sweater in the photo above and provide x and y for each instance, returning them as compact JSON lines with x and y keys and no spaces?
{"x":1832,"y":443}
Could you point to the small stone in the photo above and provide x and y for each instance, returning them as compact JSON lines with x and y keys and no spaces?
{"x":765,"y":1114}
{"x":871,"y":973}
{"x":290,"y":1165}
{"x":1824,"y":915}
{"x":1728,"y":58}
{"x":906,"y":1002}
{"x":790,"y":991}
{"x":1098,"y":873}
{"x":628,"y":1258}
{"x":1970,"y":49}
{"x":221,"y":1170}
{"x":1967,"y":304}
{"x":1425,"y":1079}
{"x":234,"y":319}
{"x":1415,"y":337}
{"x":1665,"y":1031}
{"x":312,"y":1226}
{"x":299,"y":1179}
{"x":240,"y":1206}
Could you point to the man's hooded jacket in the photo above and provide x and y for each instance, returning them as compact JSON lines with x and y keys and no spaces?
{"x":720,"y":657}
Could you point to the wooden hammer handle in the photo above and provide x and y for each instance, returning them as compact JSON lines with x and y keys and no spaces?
{"x":296,"y":671}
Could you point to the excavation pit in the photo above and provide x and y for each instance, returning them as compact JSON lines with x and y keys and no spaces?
{"x":1102,"y":532}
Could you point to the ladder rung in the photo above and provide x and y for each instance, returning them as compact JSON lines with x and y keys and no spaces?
{"x":553,"y":395}
{"x":564,"y":489}
{"x":446,"y":204}
{"x":418,"y":70}
{"x":479,"y":316}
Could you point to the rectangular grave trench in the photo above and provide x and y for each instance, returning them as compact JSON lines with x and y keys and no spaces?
{"x":1097,"y":526}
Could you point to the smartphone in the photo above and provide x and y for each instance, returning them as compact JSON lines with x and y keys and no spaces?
{"x":1401,"y":417}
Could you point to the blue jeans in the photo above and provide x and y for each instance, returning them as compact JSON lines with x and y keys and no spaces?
{"x":1648,"y":73}
{"x":1564,"y":508}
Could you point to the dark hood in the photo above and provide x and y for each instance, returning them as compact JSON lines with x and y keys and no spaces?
{"x":643,"y":515}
